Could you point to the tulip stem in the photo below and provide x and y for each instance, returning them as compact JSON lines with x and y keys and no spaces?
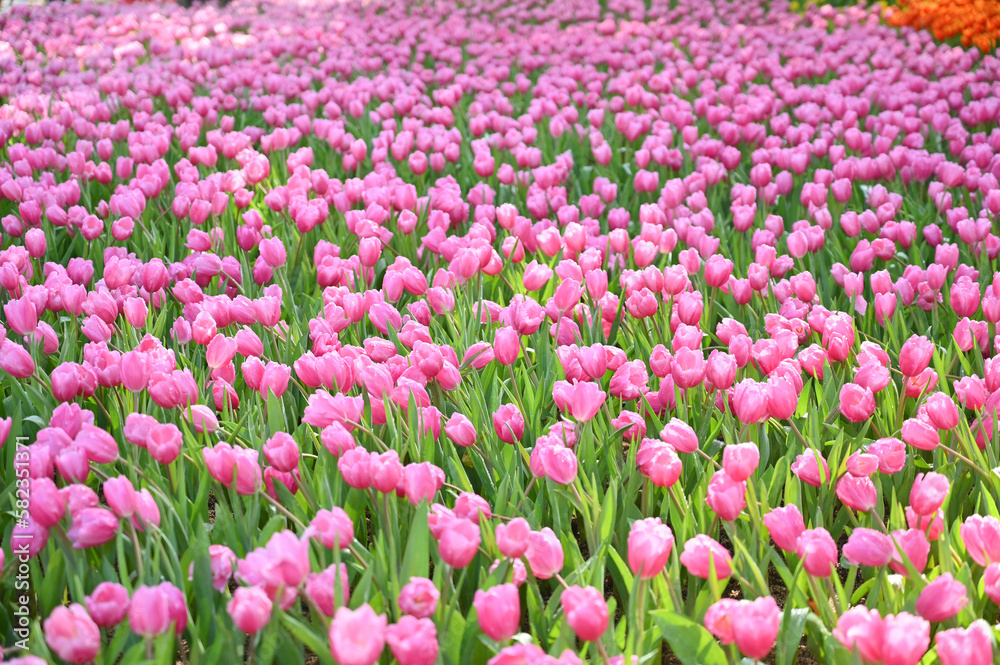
{"x":394,"y":559}
{"x":705,"y":455}
{"x":135,"y":543}
{"x":357,"y":555}
{"x":973,"y":465}
{"x":795,"y":428}
{"x":517,"y":392}
{"x":287,"y":513}
{"x":527,"y":490}
{"x":486,"y":459}
{"x":834,"y":594}
{"x":601,"y":650}
{"x":674,"y":595}
{"x":640,"y":614}
{"x":451,"y":606}
{"x":822,"y":603}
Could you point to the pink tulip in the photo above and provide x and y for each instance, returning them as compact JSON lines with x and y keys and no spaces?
{"x":785,"y":525}
{"x":498,"y":611}
{"x":579,"y":400}
{"x":867,"y":547}
{"x":891,"y":453}
{"x":680,"y":436}
{"x":506,"y":346}
{"x":419,"y":598}
{"x":458,"y":543}
{"x":512,"y":537}
{"x":942,"y":412}
{"x":544,"y":554}
{"x":460,"y":430}
{"x":48,"y":505}
{"x":282,"y":452}
{"x":92,"y":527}
{"x":250,"y":609}
{"x":965,"y":646}
{"x":649,"y":545}
{"x":586,"y":612}
{"x":108,"y":604}
{"x":702,"y":553}
{"x":719,"y":621}
{"x":739,"y":460}
{"x":981,"y":536}
{"x":508,"y":423}
{"x":818,"y":552}
{"x":21,"y":315}
{"x":857,"y":404}
{"x":333,"y":528}
{"x":857,"y":492}
{"x":72,"y":634}
{"x":920,"y":434}
{"x":413,"y":641}
{"x":357,"y":637}
{"x":221,"y":561}
{"x":164,"y":443}
{"x":915,"y":546}
{"x":755,"y":626}
{"x":149,"y":614}
{"x":942,"y":599}
{"x":658,"y":462}
{"x":862,"y":629}
{"x":807,"y":467}
{"x":915,"y":355}
{"x":15,"y":360}
{"x":749,"y":401}
{"x":727,"y":497}
{"x":421,"y":482}
{"x":928,"y":493}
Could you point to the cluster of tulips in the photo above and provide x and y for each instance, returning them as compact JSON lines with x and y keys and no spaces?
{"x":973,"y":22}
{"x":496,"y":332}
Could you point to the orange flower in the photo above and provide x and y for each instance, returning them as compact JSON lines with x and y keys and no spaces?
{"x":976,"y":22}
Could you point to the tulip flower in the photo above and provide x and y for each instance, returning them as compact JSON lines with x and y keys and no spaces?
{"x":498,"y":611}
{"x":586,"y":612}
{"x":357,"y":637}
{"x":72,"y":634}
{"x":250,"y":609}
{"x":649,"y":545}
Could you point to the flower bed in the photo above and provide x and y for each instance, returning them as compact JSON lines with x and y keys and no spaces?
{"x":496,"y":333}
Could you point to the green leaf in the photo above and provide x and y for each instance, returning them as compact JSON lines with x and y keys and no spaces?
{"x":275,"y":414}
{"x":620,"y":572}
{"x":452,"y":642}
{"x":606,"y":521}
{"x":417,"y":556}
{"x":54,"y":585}
{"x":165,"y":649}
{"x":690,"y":642}
{"x":793,"y":623}
{"x":318,"y":645}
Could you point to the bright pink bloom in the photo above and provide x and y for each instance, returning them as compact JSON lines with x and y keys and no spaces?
{"x":72,"y":634}
{"x":357,"y":637}
{"x":649,"y":545}
{"x":586,"y":612}
{"x":498,"y":611}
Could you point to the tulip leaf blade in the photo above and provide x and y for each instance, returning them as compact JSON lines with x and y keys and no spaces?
{"x":690,"y":642}
{"x":793,"y":624}
{"x":416,"y":556}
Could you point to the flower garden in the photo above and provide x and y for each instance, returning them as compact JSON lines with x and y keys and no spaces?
{"x":506,"y":333}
